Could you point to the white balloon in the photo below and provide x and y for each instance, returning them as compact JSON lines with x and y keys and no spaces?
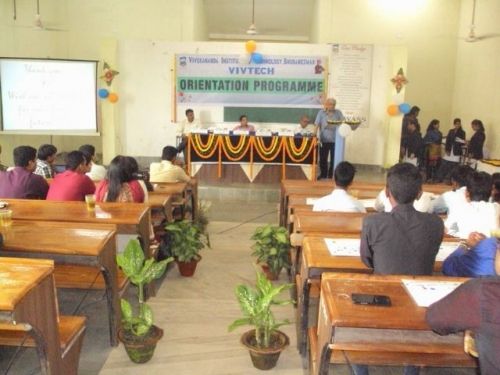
{"x":245,"y":59}
{"x":344,"y":130}
{"x":398,"y":99}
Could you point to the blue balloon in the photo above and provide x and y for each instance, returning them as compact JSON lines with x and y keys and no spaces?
{"x":404,"y":108}
{"x":103,"y":93}
{"x":257,"y":58}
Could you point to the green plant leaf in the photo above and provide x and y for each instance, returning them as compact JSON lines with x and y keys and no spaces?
{"x":142,"y":329}
{"x":132,"y":258}
{"x":126,"y":309}
{"x":238,"y":323}
{"x":147,"y":314}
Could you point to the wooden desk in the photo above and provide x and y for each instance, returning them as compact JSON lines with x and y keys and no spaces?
{"x":316,"y":260}
{"x":28,"y":300}
{"x":161,"y":201}
{"x":375,"y":335}
{"x":180,"y":190}
{"x":70,"y":243}
{"x":129,"y":218}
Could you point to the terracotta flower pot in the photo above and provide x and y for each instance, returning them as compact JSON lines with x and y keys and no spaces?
{"x":140,"y":349}
{"x":187,"y":268}
{"x":265,"y":358}
{"x":269,"y":274}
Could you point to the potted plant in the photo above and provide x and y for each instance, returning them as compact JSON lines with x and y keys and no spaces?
{"x":271,"y":248}
{"x":138,"y":333}
{"x":265,"y":342}
{"x":186,"y":242}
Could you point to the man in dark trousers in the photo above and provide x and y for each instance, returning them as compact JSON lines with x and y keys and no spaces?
{"x":403,"y":241}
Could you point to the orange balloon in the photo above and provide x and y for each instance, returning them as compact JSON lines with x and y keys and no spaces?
{"x":392,"y":110}
{"x":250,"y":46}
{"x":112,"y":97}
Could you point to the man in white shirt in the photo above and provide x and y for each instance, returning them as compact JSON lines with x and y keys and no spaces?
{"x":422,"y":204}
{"x":456,"y":197}
{"x":97,"y":172}
{"x":305,"y":127}
{"x":166,"y":170}
{"x":477,"y":214}
{"x":339,"y":199}
{"x":185,"y":127}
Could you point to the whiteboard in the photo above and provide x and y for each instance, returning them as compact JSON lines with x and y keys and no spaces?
{"x":48,"y":96}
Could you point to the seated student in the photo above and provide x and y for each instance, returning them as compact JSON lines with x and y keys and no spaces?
{"x":472,"y":258}
{"x":244,"y":125}
{"x":20,"y":182}
{"x":474,"y":305}
{"x":477,"y":214}
{"x":404,"y":241}
{"x":495,"y":191}
{"x":339,"y":199}
{"x":166,"y":170}
{"x":97,"y":172}
{"x":45,"y":159}
{"x":422,"y":204}
{"x":119,"y":184}
{"x":450,"y":200}
{"x":72,"y":184}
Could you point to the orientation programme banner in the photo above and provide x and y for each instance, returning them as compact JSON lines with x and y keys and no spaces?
{"x":296,"y":81}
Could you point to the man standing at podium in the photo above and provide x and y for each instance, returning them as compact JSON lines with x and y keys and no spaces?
{"x":327,"y":121}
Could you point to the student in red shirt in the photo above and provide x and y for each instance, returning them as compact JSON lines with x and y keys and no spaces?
{"x":73,"y":184}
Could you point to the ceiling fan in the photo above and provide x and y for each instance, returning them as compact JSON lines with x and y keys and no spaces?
{"x":472,"y":37}
{"x":37,"y":23}
{"x":252,"y":29}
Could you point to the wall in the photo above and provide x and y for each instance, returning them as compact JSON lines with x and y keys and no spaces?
{"x":426,"y":28}
{"x":477,"y":74}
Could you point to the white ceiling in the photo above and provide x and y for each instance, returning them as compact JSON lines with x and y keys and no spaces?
{"x":278,"y":20}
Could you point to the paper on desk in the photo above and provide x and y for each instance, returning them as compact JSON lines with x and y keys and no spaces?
{"x":426,"y":292}
{"x":368,"y":203}
{"x":446,"y":249}
{"x":343,"y":247}
{"x":311,"y":201}
{"x":101,"y":214}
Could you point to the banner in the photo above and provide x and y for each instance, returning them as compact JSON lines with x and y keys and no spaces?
{"x":278,"y":80}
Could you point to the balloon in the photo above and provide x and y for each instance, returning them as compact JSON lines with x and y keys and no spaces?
{"x":404,"y":108}
{"x":250,"y":46}
{"x":257,"y":58}
{"x":393,"y":110}
{"x":245,"y":59}
{"x":113,"y":97}
{"x":103,"y":93}
{"x":344,"y":130}
{"x":398,"y":99}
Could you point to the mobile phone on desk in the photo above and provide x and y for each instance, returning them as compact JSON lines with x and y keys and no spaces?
{"x":370,"y":299}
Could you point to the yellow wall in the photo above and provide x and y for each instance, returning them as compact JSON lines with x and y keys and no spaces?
{"x":477,"y":74}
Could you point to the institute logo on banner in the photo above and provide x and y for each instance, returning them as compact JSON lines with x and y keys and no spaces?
{"x":182,"y":61}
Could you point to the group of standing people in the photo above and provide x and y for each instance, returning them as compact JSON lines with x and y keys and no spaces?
{"x":425,"y":152}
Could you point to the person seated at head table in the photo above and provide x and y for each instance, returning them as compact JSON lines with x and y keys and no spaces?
{"x":477,"y":214}
{"x":166,"y":170}
{"x":474,"y":305}
{"x":244,"y":125}
{"x":97,"y":172}
{"x":185,"y":127}
{"x":20,"y":182}
{"x":305,"y":127}
{"x":72,"y":184}
{"x":45,"y":159}
{"x":403,"y":241}
{"x":120,"y":184}
{"x":450,"y":200}
{"x":495,"y":190}
{"x":472,"y":258}
{"x":339,"y":200}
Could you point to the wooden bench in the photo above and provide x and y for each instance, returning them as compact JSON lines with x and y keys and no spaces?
{"x":29,"y":315}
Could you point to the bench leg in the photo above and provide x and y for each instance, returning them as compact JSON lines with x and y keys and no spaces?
{"x":71,"y":356}
{"x":304,"y":318}
{"x":113,"y":307}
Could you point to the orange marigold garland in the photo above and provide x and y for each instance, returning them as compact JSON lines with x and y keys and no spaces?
{"x":236,"y":153}
{"x":204,"y":150}
{"x":299,"y":154}
{"x":268,"y":153}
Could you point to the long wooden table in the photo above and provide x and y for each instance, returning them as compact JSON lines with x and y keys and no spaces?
{"x":28,"y":302}
{"x":317,"y":260}
{"x":374,"y":335}
{"x":82,"y":244}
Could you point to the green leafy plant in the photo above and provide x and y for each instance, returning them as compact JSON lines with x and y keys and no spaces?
{"x":187,"y":240}
{"x":272,"y":247}
{"x":140,"y":272}
{"x":256,"y":306}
